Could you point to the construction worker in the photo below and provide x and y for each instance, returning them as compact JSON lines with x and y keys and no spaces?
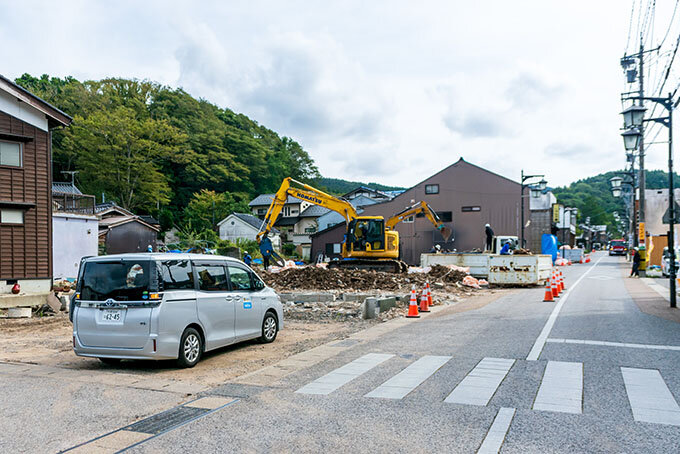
{"x":505,"y":250}
{"x":266,"y":249}
{"x":247,"y":259}
{"x":636,"y":263}
{"x":489,"y":236}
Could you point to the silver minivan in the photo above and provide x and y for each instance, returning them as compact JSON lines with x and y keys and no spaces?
{"x":169,"y":306}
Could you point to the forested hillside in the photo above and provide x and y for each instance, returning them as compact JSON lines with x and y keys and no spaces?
{"x":158,"y":150}
{"x":338,"y":186}
{"x":593,"y":197}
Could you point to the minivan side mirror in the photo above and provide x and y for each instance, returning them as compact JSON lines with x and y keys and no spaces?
{"x":259,"y":285}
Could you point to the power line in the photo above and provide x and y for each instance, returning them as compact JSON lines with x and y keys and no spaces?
{"x":630,"y":25}
{"x":670,"y":23}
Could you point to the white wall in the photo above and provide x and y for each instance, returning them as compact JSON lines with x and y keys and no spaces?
{"x":22,"y":111}
{"x":233,"y":228}
{"x":74,"y":236}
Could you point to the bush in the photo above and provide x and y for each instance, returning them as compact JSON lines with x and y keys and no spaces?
{"x":288,"y":250}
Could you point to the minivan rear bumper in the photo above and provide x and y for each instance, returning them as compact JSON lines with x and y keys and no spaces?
{"x":164,"y":350}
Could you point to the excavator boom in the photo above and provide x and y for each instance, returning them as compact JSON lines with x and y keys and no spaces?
{"x":430,"y":214}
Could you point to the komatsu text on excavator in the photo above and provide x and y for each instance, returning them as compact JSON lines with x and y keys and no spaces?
{"x":370,"y":241}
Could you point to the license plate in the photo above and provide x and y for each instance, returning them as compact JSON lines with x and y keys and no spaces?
{"x":112,"y":315}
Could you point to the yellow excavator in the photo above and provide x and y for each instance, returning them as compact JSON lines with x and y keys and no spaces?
{"x":370,"y":241}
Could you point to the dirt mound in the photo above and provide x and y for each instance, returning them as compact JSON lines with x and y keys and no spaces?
{"x":312,"y":278}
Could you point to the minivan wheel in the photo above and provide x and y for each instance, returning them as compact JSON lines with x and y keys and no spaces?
{"x":269,"y":328}
{"x":190,"y":348}
{"x":110,"y":361}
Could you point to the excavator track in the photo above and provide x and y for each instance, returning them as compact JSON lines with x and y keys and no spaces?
{"x":387,"y":265}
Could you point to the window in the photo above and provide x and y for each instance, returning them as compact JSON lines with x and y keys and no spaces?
{"x":124,"y":280}
{"x":286,"y":211}
{"x":470,"y":209}
{"x":431,"y":189}
{"x":261,"y":211}
{"x":11,"y":216}
{"x":212,"y":278}
{"x":445,"y":216}
{"x":239,"y":278}
{"x":10,"y":154}
{"x":408,"y":220}
{"x":176,"y":275}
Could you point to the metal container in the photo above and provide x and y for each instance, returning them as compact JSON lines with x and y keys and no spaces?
{"x":478,"y":263}
{"x":519,"y":269}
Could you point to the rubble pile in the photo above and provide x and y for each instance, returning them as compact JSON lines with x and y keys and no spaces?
{"x":313,"y":278}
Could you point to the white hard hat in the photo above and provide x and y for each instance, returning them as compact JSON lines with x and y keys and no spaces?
{"x":487,"y":225}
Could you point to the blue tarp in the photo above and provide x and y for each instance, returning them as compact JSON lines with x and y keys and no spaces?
{"x":549,"y":245}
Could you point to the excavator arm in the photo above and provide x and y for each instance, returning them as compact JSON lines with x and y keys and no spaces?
{"x":307,"y":193}
{"x":420,"y":207}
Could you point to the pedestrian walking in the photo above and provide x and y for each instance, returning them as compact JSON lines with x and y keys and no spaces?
{"x":636,"y":263}
{"x":489,"y":236}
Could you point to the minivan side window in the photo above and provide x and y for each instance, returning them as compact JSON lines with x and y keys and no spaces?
{"x":212,"y":278}
{"x":176,"y":275}
{"x":239,"y":278}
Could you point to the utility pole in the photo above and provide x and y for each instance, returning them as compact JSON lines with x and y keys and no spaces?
{"x":641,"y":179}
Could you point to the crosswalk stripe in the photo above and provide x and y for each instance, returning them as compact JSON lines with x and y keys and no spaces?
{"x":410,"y":378}
{"x":494,"y":438}
{"x":561,"y":388}
{"x":481,"y":383}
{"x":343,"y":375}
{"x":649,"y":397}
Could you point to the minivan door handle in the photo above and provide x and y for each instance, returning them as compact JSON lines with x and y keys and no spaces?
{"x":228,"y":298}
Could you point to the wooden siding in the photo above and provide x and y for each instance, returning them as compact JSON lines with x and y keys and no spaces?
{"x":26,"y":250}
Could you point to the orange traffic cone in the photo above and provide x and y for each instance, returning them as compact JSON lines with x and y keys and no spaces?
{"x":562,"y":281}
{"x":548,"y":292}
{"x":423,"y":302}
{"x":553,"y":286}
{"x":413,"y":305}
{"x":429,"y":295}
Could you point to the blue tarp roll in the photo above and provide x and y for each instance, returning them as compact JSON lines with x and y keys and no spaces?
{"x":549,"y":245}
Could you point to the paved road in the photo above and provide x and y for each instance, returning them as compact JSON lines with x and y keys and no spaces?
{"x":589,"y":373}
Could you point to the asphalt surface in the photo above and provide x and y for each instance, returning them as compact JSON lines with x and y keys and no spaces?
{"x":274,"y":418}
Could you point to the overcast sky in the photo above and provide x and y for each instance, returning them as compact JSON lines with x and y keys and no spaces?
{"x":389,"y":92}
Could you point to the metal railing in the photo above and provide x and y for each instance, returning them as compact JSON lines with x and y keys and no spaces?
{"x":72,"y":203}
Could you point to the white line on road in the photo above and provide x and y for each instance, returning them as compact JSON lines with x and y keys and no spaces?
{"x":481,"y":383}
{"x":343,"y":375}
{"x":499,"y":429}
{"x":613,"y":344}
{"x":561,"y":388}
{"x":540,"y":341}
{"x":658,"y":288}
{"x":410,"y":378}
{"x":649,"y":397}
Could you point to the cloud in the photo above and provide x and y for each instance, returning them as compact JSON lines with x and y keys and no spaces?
{"x":477,"y":125}
{"x":528,"y":91}
{"x":560,"y":150}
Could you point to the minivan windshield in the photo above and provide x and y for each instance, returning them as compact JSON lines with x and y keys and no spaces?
{"x":618,"y":244}
{"x":121,"y":280}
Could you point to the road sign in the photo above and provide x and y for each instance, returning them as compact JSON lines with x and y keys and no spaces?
{"x":641,"y":232}
{"x":667,"y":215}
{"x":556,"y":213}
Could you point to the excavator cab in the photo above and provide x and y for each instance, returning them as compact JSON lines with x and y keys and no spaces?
{"x":366,"y":235}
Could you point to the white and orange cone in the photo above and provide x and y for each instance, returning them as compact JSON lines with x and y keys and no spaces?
{"x":413,"y":305}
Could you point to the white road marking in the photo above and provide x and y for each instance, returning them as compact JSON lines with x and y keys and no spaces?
{"x":658,"y":288}
{"x":479,"y":386}
{"x":343,"y":375}
{"x":540,"y":341}
{"x":561,"y":388}
{"x":649,"y":397}
{"x":613,"y":344}
{"x":410,"y":378}
{"x":497,"y":432}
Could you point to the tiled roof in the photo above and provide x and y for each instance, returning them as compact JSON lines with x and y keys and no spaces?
{"x":314,"y":211}
{"x":266,"y":199}
{"x":65,"y":188}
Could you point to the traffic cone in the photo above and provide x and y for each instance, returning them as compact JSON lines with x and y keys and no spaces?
{"x":429,"y":294}
{"x":413,"y":305}
{"x":548,"y":292}
{"x":553,"y":286}
{"x":562,"y":281}
{"x":423,"y":302}
{"x":581,"y":261}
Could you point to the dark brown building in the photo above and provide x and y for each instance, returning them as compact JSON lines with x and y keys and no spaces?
{"x":26,"y":122}
{"x":465,"y":196}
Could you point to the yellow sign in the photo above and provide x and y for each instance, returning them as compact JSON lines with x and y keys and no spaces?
{"x":556,"y":213}
{"x":641,"y":229}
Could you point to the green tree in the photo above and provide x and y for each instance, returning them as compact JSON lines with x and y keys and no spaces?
{"x":207,"y":208}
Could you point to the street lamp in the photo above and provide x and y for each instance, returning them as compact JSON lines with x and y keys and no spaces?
{"x":633,"y":116}
{"x":534,"y":191}
{"x":631,"y":138}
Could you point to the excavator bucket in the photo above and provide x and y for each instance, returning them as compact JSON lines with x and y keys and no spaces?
{"x":446,"y":232}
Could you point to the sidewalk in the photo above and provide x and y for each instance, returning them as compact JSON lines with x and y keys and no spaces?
{"x":651,"y":297}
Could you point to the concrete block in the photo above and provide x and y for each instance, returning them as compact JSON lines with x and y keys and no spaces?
{"x":299,"y":297}
{"x":22,"y":300}
{"x":19,"y":312}
{"x":385,"y":304}
{"x":53,"y":302}
{"x":354,"y":296}
{"x":369,"y":308}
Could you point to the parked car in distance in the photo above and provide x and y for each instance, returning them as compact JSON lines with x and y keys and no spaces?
{"x":666,"y":261}
{"x":618,"y":247}
{"x":169,"y":306}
